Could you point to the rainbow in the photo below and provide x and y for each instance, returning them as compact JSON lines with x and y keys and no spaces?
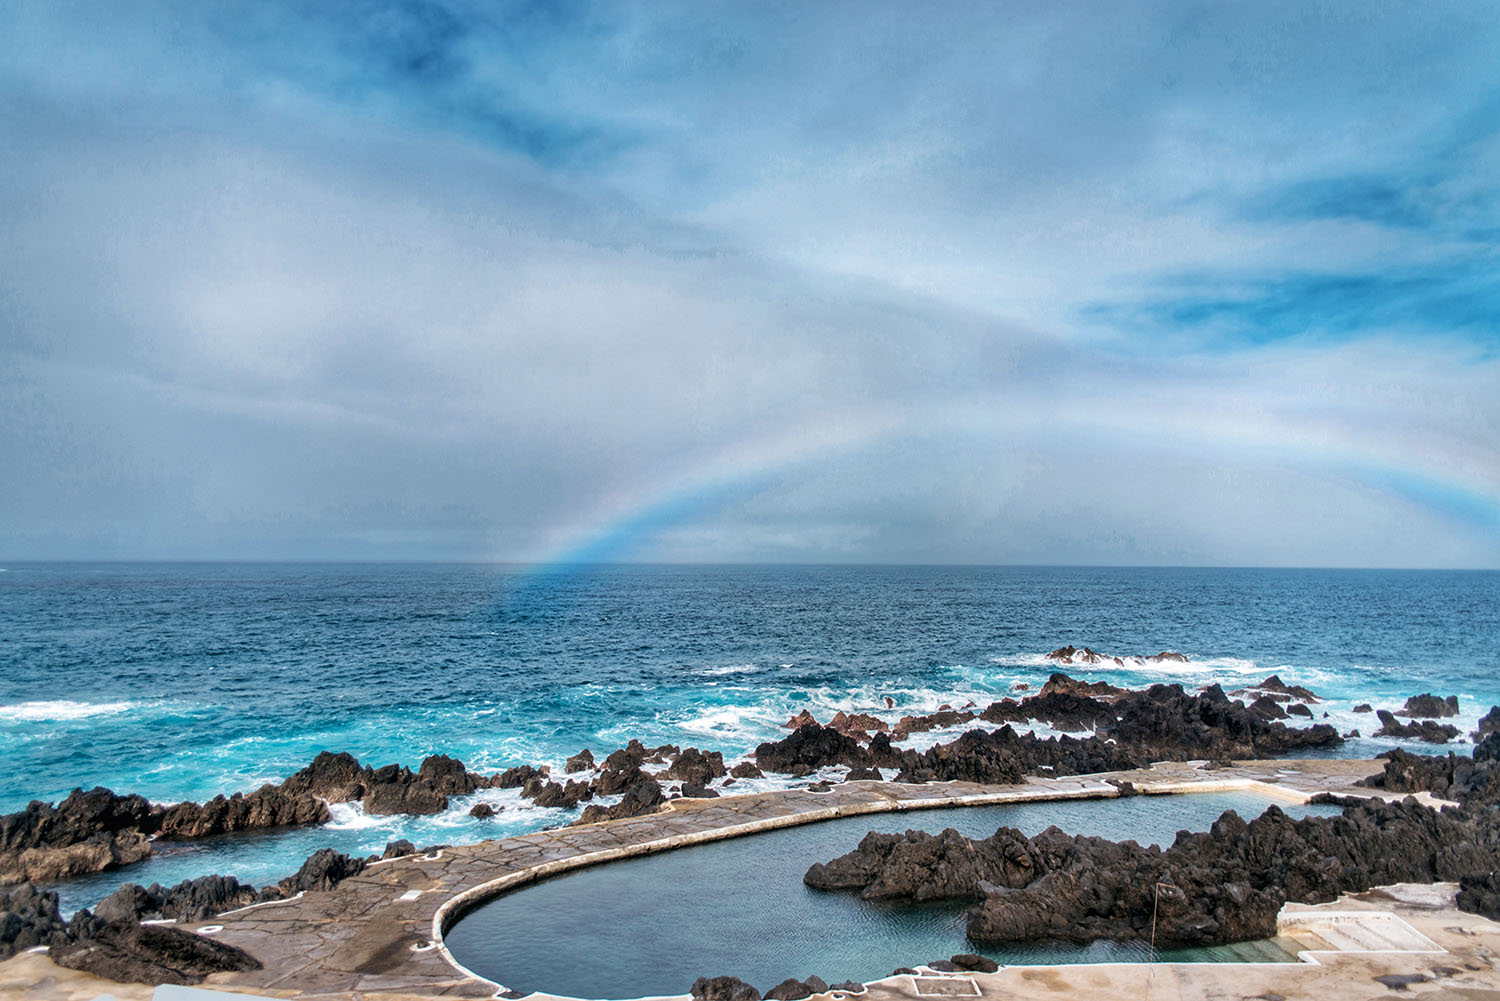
{"x":1458,"y":483}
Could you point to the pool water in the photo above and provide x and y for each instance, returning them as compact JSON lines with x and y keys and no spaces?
{"x":651,"y":925}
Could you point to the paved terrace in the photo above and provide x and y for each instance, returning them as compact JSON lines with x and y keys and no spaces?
{"x":379,"y":933}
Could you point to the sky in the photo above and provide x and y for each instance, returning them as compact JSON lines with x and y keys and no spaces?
{"x":1115,"y":283}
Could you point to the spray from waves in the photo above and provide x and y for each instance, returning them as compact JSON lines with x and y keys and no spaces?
{"x":722,"y":672}
{"x":62,"y":710}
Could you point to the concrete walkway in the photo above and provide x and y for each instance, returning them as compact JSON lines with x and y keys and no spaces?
{"x":380,"y":931}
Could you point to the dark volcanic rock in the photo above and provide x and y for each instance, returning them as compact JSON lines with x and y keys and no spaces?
{"x":940,"y":720}
{"x":746,"y":770}
{"x":190,"y":900}
{"x":268,"y":806}
{"x":696,"y":767}
{"x":1364,"y":707}
{"x":400,"y":848}
{"x":481,"y":811}
{"x":642,"y":798}
{"x":975,"y":962}
{"x":1061,"y":683}
{"x":151,"y":954}
{"x":1489,"y":723}
{"x":28,"y":918}
{"x":863,"y":775}
{"x":1275,"y":685}
{"x":1223,"y":886}
{"x":723,"y":989}
{"x":515,"y":778}
{"x":1298,"y":709}
{"x":1268,"y":708}
{"x":811,"y":746}
{"x":1480,"y":894}
{"x":323,"y":870}
{"x":858,"y":725}
{"x":87,"y":832}
{"x":793,"y":990}
{"x":580,"y":762}
{"x":1429,"y":706}
{"x":1421,"y":729}
{"x":1003,"y":757}
{"x":564,"y":796}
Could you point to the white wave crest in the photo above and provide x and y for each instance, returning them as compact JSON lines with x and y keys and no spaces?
{"x":62,"y":710}
{"x":720,"y":672}
{"x":352,"y":817}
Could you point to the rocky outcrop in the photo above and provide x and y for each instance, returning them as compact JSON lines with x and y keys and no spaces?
{"x":1005,"y":757}
{"x":99,"y":830}
{"x":190,"y":900}
{"x":28,"y":918}
{"x":1421,"y":729}
{"x":1223,"y":886}
{"x":580,"y":762}
{"x":791,"y":989}
{"x":515,"y":778}
{"x":1473,"y":781}
{"x":696,"y":767}
{"x":1429,"y":706}
{"x":151,"y":954}
{"x":811,"y":746}
{"x":940,"y":720}
{"x":723,"y":989}
{"x":1278,"y":690}
{"x":857,"y":725}
{"x":564,"y":797}
{"x":1060,"y":683}
{"x":644,"y":797}
{"x":746,"y":770}
{"x":1488,"y":723}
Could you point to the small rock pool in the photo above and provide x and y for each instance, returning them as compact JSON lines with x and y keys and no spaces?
{"x":651,"y":925}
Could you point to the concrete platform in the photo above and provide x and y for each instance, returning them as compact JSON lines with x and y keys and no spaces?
{"x":379,"y":934}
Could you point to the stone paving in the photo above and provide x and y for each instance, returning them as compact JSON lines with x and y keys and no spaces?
{"x":379,"y":933}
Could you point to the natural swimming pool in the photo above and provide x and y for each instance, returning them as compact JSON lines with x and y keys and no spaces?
{"x":651,"y":925}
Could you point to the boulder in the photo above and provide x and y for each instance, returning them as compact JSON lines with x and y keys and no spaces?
{"x":28,"y":918}
{"x":1429,"y":706}
{"x":793,"y":990}
{"x":1489,"y":723}
{"x":863,"y":775}
{"x":565,"y":797}
{"x":1298,"y":709}
{"x":803,"y":718}
{"x":644,"y":797}
{"x":1419,"y":729}
{"x":1060,"y":683}
{"x":481,"y":811}
{"x":747,"y":770}
{"x":401,"y":847}
{"x":580,"y":762}
{"x":696,"y":767}
{"x":723,"y":989}
{"x":811,"y":746}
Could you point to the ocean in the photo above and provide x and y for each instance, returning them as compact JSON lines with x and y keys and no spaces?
{"x":180,"y":681}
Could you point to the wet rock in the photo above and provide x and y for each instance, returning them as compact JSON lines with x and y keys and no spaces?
{"x":1223,"y":886}
{"x":1275,"y":686}
{"x":1420,"y":729}
{"x":644,"y":797}
{"x":940,"y":720}
{"x":723,"y":989}
{"x":151,"y":954}
{"x":1168,"y":656}
{"x":696,"y":767}
{"x":1268,"y":708}
{"x":1429,"y":706}
{"x":1364,"y":707}
{"x":858,"y":725}
{"x":803,"y":718}
{"x":565,"y":797}
{"x":28,"y":918}
{"x":695,"y":790}
{"x":268,"y":806}
{"x":1489,"y":723}
{"x":580,"y":762}
{"x":747,"y":770}
{"x":811,"y":747}
{"x":517,"y":777}
{"x":1073,"y":655}
{"x":793,"y":990}
{"x":1298,"y":709}
{"x":848,"y":987}
{"x":863,"y":775}
{"x":481,"y":811}
{"x":1061,"y":684}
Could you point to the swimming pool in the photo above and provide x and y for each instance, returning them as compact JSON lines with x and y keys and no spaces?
{"x":651,"y":925}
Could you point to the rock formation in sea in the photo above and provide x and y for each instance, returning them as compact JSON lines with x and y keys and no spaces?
{"x":1205,"y":889}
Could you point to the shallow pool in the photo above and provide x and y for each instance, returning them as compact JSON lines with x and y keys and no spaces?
{"x":652,"y":925}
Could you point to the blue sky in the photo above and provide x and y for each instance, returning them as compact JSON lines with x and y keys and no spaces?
{"x":1033,"y":282}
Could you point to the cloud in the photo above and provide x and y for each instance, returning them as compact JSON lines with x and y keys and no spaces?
{"x":838,"y":282}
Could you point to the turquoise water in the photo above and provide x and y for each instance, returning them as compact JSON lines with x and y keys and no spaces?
{"x":652,"y":925}
{"x":185,"y":680}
